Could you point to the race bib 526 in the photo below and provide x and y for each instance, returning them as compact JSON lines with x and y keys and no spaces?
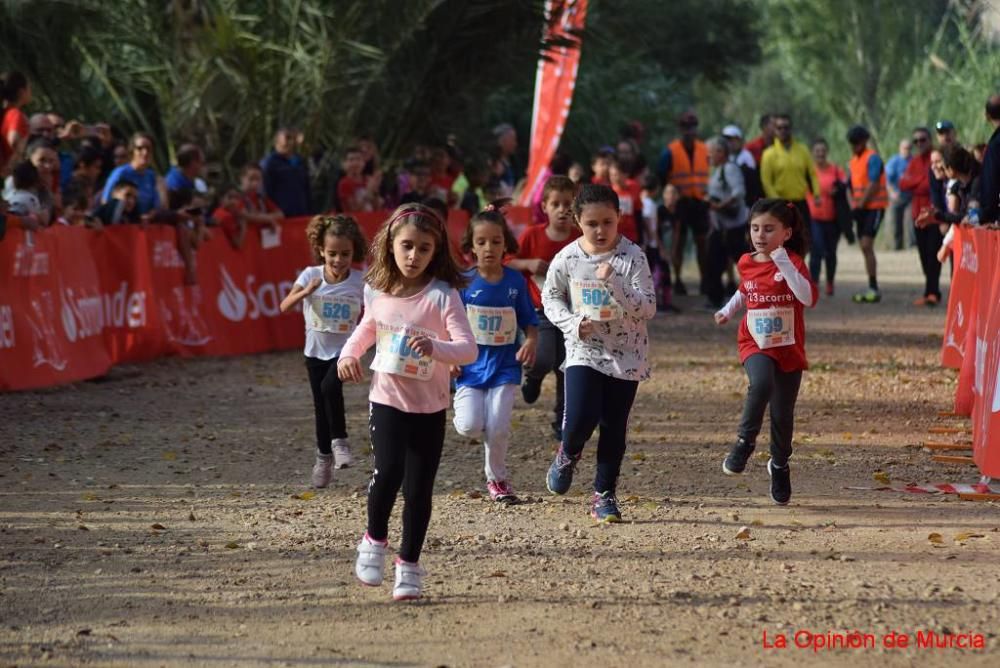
{"x":333,"y":315}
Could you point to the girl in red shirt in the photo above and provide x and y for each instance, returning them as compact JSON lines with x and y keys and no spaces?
{"x":775,"y":288}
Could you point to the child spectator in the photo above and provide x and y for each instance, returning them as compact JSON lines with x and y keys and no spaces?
{"x":21,"y":194}
{"x":355,"y":191}
{"x":666,"y":216}
{"x":121,"y":208}
{"x":629,"y":200}
{"x":420,"y":185}
{"x":600,"y":166}
{"x":651,"y":236}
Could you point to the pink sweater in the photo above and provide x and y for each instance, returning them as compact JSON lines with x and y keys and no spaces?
{"x":414,"y":385}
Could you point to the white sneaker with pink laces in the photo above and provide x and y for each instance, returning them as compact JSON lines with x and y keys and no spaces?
{"x":370,"y":566}
{"x":409,"y":578}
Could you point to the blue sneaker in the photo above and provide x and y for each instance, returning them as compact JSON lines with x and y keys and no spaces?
{"x":560,"y":475}
{"x":604,"y":508}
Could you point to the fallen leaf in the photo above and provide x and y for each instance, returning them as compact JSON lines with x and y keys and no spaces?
{"x":757,"y":523}
{"x":304,"y":496}
{"x":631,"y":498}
{"x":86,"y":528}
{"x":158,"y":527}
{"x":90,"y":497}
{"x":639,"y":457}
{"x":960,"y":537}
{"x":743,"y":533}
{"x":170,"y":455}
{"x":935,"y":538}
{"x":232,"y":545}
{"x":498,"y":574}
{"x":881,"y":476}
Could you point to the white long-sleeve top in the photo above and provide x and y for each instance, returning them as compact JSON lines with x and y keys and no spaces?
{"x":619,"y":346}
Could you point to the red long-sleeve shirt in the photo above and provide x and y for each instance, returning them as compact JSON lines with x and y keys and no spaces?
{"x":916,"y":181}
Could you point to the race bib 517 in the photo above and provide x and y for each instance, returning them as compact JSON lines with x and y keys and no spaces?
{"x":492,"y":325}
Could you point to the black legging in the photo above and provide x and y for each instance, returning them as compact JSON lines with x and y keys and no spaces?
{"x":723,"y":245}
{"x":549,"y":355}
{"x":328,"y":401}
{"x":928,"y":243}
{"x":407,"y":450}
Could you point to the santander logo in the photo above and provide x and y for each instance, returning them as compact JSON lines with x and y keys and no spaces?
{"x":232,"y":303}
{"x":251,"y":300}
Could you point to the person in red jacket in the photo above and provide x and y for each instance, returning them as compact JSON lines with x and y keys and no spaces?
{"x":916,"y":181}
{"x":775,"y":287}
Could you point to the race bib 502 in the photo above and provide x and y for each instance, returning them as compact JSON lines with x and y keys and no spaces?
{"x":592,"y":299}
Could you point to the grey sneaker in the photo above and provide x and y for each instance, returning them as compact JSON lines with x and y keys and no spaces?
{"x":342,"y":453}
{"x":322,"y":470}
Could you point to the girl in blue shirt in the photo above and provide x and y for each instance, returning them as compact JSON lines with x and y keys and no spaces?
{"x":497,"y":303}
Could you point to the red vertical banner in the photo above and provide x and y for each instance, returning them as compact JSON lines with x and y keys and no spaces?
{"x":554,"y":84}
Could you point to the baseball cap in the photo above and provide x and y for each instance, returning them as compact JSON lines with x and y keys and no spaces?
{"x":944,"y":126}
{"x":687,"y":118}
{"x":732,"y":131}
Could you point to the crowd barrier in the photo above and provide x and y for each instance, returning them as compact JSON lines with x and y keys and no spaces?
{"x":74,"y":302}
{"x":972,"y":340}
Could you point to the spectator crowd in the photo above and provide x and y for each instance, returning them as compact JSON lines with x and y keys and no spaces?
{"x":59,"y":172}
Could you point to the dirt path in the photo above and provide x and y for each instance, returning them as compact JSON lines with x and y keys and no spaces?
{"x":150,"y":519}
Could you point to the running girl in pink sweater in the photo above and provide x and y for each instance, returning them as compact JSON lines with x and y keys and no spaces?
{"x":415,"y":318}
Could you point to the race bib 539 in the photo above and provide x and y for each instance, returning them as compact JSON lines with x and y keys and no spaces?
{"x":772,"y":327}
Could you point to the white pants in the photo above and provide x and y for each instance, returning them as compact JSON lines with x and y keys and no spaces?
{"x":486,"y":414}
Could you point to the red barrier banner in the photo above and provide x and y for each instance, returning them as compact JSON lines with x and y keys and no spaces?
{"x":986,"y":408}
{"x":554,"y":84}
{"x":961,"y":299}
{"x":74,"y":302}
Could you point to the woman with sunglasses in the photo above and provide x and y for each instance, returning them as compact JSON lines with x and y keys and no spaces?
{"x":916,"y":181}
{"x":140,"y":171}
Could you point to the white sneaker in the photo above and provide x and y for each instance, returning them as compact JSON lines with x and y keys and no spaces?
{"x":322,"y":470}
{"x":370,"y":566}
{"x":342,"y":453}
{"x":408,"y":581}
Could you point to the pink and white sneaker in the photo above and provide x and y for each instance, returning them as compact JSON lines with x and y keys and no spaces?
{"x":500,"y":490}
{"x":409,"y":581}
{"x":370,"y":566}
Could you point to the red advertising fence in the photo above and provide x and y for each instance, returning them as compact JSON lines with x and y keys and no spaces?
{"x":75,"y":302}
{"x":972,"y":340}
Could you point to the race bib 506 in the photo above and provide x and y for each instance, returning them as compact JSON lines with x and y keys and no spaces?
{"x":394,"y":355}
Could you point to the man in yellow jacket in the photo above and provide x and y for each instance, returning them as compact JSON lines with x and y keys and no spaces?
{"x":787,"y":169}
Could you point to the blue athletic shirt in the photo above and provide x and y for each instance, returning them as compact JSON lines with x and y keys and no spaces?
{"x":497,"y":364}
